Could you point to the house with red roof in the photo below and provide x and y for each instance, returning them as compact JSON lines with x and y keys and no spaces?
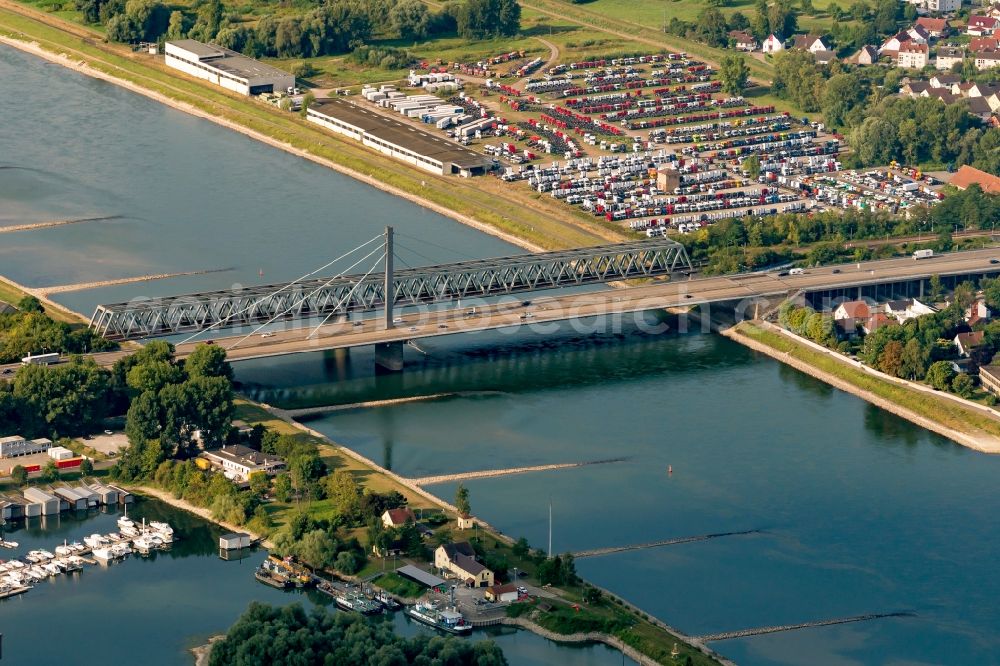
{"x":980,"y":26}
{"x":398,"y":517}
{"x":935,"y":27}
{"x":852,"y":310}
{"x":967,"y":342}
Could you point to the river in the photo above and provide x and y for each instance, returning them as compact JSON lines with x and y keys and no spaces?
{"x":858,"y":511}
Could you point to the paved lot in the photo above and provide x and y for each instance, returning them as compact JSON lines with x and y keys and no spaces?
{"x":107,"y":444}
{"x":7,"y":464}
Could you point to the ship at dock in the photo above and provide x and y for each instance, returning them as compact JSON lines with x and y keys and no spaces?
{"x":448,"y":620}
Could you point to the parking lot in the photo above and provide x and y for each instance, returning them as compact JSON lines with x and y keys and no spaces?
{"x":109,"y":445}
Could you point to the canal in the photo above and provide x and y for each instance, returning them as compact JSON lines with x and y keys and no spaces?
{"x":858,"y":511}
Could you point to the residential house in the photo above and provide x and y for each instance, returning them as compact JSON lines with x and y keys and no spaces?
{"x":742,"y":40}
{"x":962,"y":89}
{"x":915,"y":88}
{"x":983,"y":43}
{"x":852,"y":310}
{"x":866,"y":55}
{"x":398,"y":517}
{"x":847,"y":327}
{"x":948,"y":56}
{"x":945,"y":80}
{"x":460,"y":560}
{"x":912,"y":55}
{"x":876,"y":321}
{"x":238,"y":462}
{"x":966,"y":176}
{"x":977,"y":89}
{"x":980,"y":107}
{"x":980,"y":26}
{"x":935,"y":27}
{"x":918,"y":34}
{"x":941,"y":6}
{"x":943,"y":95}
{"x":986,"y":59}
{"x":824,"y":57}
{"x":898,"y":309}
{"x":967,"y":342}
{"x":891,"y":46}
{"x":994,"y":102}
{"x":977,"y":312}
{"x":772,"y":44}
{"x":993,"y":11}
{"x":811,"y":43}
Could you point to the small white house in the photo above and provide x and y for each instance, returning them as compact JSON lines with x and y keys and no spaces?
{"x":772,"y":45}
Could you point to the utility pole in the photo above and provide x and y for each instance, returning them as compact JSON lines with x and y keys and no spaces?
{"x":389,"y":291}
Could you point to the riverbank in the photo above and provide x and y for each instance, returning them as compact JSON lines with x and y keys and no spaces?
{"x":485,"y":204}
{"x":201,"y":512}
{"x":962,"y":424}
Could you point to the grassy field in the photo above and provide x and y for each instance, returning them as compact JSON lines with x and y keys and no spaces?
{"x":947,"y":412}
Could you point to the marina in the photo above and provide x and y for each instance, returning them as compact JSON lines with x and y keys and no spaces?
{"x":19,"y":575}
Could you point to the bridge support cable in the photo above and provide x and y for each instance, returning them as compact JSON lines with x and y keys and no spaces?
{"x":316,"y":297}
{"x":289,"y":309}
{"x":333,"y":312}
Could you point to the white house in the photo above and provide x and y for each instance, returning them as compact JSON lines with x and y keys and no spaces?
{"x":772,"y":45}
{"x":912,"y":55}
{"x":948,"y":57}
{"x":980,"y":26}
{"x":852,"y":310}
{"x":226,"y":68}
{"x":239,"y":462}
{"x":398,"y":517}
{"x":966,"y":342}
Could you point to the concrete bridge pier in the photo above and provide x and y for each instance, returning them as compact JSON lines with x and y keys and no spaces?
{"x":389,"y":356}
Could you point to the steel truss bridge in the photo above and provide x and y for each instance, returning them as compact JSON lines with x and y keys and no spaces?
{"x":345,"y":294}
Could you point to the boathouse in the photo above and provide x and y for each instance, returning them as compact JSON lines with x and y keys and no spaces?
{"x":50,"y":504}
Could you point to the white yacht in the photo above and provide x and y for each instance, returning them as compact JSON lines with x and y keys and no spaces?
{"x":163,"y":530}
{"x":125,"y":522}
{"x":96,"y":541}
{"x":103,"y":554}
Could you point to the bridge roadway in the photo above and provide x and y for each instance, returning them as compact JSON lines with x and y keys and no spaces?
{"x":608,"y":303}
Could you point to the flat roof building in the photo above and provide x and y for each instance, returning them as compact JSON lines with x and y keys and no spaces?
{"x":15,"y":445}
{"x":226,"y":68}
{"x":397,"y":139}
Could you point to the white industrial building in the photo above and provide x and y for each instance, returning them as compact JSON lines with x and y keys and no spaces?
{"x":226,"y":68}
{"x":396,"y":139}
{"x":15,"y":445}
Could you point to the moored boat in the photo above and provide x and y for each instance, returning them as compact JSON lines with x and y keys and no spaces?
{"x":447,"y":620}
{"x":269,"y":577}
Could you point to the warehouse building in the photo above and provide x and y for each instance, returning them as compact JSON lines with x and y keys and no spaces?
{"x":226,"y":68}
{"x":15,"y":445}
{"x":397,"y":139}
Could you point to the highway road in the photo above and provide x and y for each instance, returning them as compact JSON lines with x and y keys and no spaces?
{"x":537,"y":311}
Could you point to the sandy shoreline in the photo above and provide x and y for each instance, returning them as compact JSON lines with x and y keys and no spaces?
{"x":80,"y":66}
{"x":981,"y":444}
{"x":201,"y":512}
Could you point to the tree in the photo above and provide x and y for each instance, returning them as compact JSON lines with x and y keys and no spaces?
{"x":738,"y":21}
{"x":711,"y":27}
{"x":307,"y":101}
{"x":346,"y":494}
{"x":962,"y":385}
{"x":890,"y":361}
{"x":346,"y":563}
{"x":50,"y":472}
{"x":150,"y":18}
{"x":86,"y":467}
{"x":260,"y":483}
{"x":411,"y":20}
{"x":208,"y":361}
{"x":734,"y":74}
{"x":462,"y":500}
{"x":913,"y":360}
{"x":940,"y":375}
{"x":177,"y":26}
{"x":19,"y":475}
{"x":935,"y":290}
{"x":592,"y":596}
{"x":521,"y":548}
{"x":143,"y":419}
{"x":209,"y":407}
{"x":751,"y":166}
{"x":481,"y":19}
{"x":30,"y":304}
{"x":288,"y":634}
{"x":283,"y":488}
{"x":317,"y":549}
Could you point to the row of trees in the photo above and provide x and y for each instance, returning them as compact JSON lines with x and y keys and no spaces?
{"x":273,"y":635}
{"x":757,"y":242}
{"x":29,"y":330}
{"x":337,"y":26}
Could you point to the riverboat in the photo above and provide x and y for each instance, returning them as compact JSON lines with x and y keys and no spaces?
{"x":450,"y":621}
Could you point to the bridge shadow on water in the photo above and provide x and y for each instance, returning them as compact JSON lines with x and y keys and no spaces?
{"x":488,"y":365}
